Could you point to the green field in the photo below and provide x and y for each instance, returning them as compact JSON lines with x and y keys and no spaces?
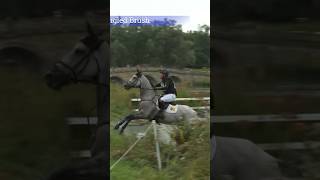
{"x":33,"y":133}
{"x":188,"y":160}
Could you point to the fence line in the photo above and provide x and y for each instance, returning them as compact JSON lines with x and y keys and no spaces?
{"x":264,"y":146}
{"x":184,"y":99}
{"x":180,"y":99}
{"x":81,"y":154}
{"x":82,"y":120}
{"x":195,"y":108}
{"x":278,"y":118}
{"x":290,"y":146}
{"x":305,"y":117}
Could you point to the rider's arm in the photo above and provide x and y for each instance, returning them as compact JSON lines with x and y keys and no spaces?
{"x":159,"y":87}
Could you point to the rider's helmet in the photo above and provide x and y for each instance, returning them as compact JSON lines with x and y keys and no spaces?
{"x":165,"y":73}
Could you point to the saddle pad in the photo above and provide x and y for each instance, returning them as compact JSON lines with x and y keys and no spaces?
{"x":172,"y":108}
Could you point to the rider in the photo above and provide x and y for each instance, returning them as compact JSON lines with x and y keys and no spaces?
{"x":168,"y":87}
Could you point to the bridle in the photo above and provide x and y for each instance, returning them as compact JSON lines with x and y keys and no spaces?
{"x":140,"y":87}
{"x":84,"y":61}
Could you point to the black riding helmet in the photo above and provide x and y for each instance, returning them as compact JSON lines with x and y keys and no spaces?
{"x":164,"y":72}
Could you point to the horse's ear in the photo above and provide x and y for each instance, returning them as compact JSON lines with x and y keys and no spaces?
{"x":139,"y":72}
{"x":139,"y":69}
{"x":90,"y":29}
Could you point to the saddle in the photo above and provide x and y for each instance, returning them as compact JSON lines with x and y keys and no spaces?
{"x":168,"y":107}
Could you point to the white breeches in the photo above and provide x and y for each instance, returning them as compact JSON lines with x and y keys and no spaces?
{"x":168,"y":98}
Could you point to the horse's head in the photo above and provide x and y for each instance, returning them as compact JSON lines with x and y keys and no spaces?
{"x":80,"y":64}
{"x":134,"y":81}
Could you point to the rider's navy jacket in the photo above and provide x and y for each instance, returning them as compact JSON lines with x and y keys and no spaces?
{"x":168,"y":86}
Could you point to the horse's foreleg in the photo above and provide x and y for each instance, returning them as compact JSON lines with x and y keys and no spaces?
{"x":121,"y":122}
{"x":123,"y":127}
{"x":128,"y":119}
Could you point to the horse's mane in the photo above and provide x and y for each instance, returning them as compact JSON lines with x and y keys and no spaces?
{"x":150,"y":80}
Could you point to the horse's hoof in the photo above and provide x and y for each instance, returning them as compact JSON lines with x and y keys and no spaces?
{"x":117,"y":126}
{"x":121,"y":130}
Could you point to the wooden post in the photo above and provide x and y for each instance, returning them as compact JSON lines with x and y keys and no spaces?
{"x":157,"y":144}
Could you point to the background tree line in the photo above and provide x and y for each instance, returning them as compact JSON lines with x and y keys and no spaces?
{"x":40,"y":8}
{"x":160,"y":46}
{"x":265,"y":10}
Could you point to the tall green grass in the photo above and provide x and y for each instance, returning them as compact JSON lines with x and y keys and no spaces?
{"x":33,"y":133}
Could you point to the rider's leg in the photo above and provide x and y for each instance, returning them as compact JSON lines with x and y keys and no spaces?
{"x":168,"y":98}
{"x":162,"y":102}
{"x":164,"y":99}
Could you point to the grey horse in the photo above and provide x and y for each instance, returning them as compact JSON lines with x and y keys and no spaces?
{"x":240,"y":159}
{"x":148,"y":108}
{"x":86,"y":62}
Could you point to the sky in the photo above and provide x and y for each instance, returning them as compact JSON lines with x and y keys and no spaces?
{"x":198,"y":11}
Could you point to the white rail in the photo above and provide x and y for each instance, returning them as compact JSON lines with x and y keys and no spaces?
{"x":290,"y":146}
{"x":195,"y":108}
{"x":305,"y":117}
{"x":179,"y":99}
{"x":81,"y":154}
{"x":82,"y":120}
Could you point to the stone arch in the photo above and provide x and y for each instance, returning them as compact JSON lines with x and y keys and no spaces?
{"x":15,"y":56}
{"x":117,"y":80}
{"x":176,"y":79}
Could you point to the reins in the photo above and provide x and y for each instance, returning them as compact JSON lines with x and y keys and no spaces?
{"x":85,"y":58}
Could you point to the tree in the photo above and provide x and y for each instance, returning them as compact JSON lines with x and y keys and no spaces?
{"x":119,"y":54}
{"x":160,"y":46}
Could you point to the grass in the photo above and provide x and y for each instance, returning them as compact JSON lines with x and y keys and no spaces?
{"x":189,"y":160}
{"x":33,"y":134}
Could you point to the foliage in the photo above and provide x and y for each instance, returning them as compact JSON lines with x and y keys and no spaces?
{"x":160,"y":46}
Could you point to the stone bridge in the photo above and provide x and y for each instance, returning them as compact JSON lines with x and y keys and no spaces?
{"x":272,"y":71}
{"x":195,"y":77}
{"x":38,"y":42}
